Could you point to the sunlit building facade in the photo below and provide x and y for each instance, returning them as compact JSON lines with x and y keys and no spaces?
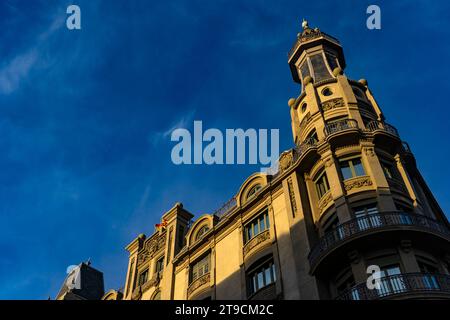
{"x":346,"y":197}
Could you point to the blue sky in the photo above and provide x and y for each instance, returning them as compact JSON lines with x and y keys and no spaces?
{"x":85,"y":115}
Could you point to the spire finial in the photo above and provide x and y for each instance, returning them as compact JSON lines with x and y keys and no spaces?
{"x":305,"y":24}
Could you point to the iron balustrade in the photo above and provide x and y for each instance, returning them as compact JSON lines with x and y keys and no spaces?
{"x":399,"y":284}
{"x":302,"y":148}
{"x":369,"y":222}
{"x":406,"y":147}
{"x":379,"y":125}
{"x":340,"y":125}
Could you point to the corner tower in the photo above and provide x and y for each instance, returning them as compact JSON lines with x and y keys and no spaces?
{"x":366,"y":201}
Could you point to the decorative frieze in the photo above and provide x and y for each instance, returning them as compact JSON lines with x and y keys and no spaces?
{"x":325,"y":201}
{"x":151,"y":247}
{"x":256,"y":241}
{"x":332,"y":104}
{"x":358,"y":182}
{"x":199,"y":282}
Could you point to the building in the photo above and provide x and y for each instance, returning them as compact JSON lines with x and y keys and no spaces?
{"x":82,"y":283}
{"x":346,"y":197}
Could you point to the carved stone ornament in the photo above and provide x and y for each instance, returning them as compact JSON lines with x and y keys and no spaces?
{"x":152,"y":246}
{"x":256,"y":241}
{"x":357,"y":183}
{"x":324,"y":201}
{"x":199,"y":282}
{"x":285,"y":161}
{"x":370,"y":152}
{"x":332,"y":104}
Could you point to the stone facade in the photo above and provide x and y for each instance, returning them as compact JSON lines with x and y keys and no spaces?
{"x":347,"y":196}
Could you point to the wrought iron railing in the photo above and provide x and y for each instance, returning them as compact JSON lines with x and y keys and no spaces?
{"x":340,"y":125}
{"x":406,"y":147}
{"x":379,"y":125}
{"x":303,"y":147}
{"x":399,"y":284}
{"x":369,"y":222}
{"x":226,"y":208}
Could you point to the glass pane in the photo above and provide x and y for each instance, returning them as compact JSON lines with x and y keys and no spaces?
{"x":255,"y":228}
{"x":359,"y":169}
{"x":268,"y":275}
{"x":346,"y":171}
{"x":266,"y":216}
{"x":274,"y":273}
{"x":249,"y":231}
{"x":262,"y":226}
{"x":260,"y":280}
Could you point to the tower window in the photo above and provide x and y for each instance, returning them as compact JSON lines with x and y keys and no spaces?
{"x":327,"y":92}
{"x":321,"y":183}
{"x":351,"y":168}
{"x":320,"y":69}
{"x":304,"y":106}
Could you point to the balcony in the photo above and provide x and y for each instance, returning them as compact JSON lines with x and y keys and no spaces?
{"x":412,"y":285}
{"x":373,"y":126}
{"x":339,"y":126}
{"x":199,"y":283}
{"x":373,"y":223}
{"x":258,"y":241}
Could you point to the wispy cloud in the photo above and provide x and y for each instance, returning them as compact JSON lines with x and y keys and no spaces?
{"x":183,"y":122}
{"x":17,"y":69}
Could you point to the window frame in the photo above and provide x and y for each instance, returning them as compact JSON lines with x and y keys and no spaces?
{"x":260,"y":223}
{"x":352,"y":167}
{"x":200,"y":268}
{"x":320,"y":176}
{"x":260,"y":271}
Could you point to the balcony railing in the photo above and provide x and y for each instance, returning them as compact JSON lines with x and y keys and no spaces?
{"x":379,"y":125}
{"x":369,"y":222}
{"x":400,"y":284}
{"x":406,"y":147}
{"x":340,"y":125}
{"x":303,"y":147}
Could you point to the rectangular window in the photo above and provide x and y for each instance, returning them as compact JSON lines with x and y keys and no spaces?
{"x":200,"y":268}
{"x":256,"y":226}
{"x":351,"y":168}
{"x":322,"y":185}
{"x":261,"y":277}
{"x":367,"y":217}
{"x":160,"y":265}
{"x":143,"y":277}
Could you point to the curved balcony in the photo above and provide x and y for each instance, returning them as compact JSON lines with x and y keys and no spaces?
{"x":256,"y":242}
{"x":407,"y":285}
{"x":199,"y":283}
{"x":370,"y":224}
{"x":382,"y":126}
{"x":339,"y":126}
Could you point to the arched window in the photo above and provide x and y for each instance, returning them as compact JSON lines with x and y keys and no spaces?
{"x":253,"y":191}
{"x":201,"y":232}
